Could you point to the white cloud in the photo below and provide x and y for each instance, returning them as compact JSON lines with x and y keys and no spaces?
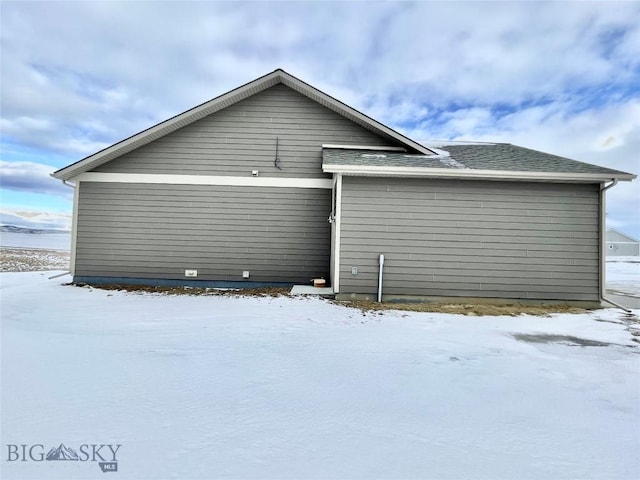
{"x":608,"y":136}
{"x":31,"y":177}
{"x":556,"y":76}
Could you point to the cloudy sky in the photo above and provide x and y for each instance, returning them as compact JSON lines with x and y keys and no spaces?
{"x":558,"y":77}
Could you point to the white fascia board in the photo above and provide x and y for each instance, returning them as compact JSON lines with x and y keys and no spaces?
{"x":384,"y":171}
{"x":322,"y":183}
{"x":362,"y":147}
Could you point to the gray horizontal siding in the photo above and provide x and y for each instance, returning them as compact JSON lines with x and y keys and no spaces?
{"x":470,"y":238}
{"x":241,"y":138}
{"x":158,"y":231}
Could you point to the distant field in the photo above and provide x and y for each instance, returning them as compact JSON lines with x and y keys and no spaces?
{"x":28,"y":252}
{"x":48,"y":241}
{"x":32,"y":259}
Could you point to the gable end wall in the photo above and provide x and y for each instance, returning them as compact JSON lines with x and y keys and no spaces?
{"x":242,"y":137}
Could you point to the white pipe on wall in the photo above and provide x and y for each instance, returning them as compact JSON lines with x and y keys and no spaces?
{"x":380,"y":267}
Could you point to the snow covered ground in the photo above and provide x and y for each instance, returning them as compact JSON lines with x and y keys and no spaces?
{"x":294,"y":388}
{"x":48,"y":241}
{"x":623,"y":275}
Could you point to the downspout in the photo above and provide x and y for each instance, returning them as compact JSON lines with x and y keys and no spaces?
{"x":380,"y":267}
{"x":603,"y":251}
{"x":73,"y":230}
{"x":338,"y":233}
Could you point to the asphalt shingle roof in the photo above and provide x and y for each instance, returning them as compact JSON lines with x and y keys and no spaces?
{"x":499,"y":156}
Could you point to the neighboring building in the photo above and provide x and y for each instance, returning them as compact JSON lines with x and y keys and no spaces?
{"x":276,"y":183}
{"x":619,"y":244}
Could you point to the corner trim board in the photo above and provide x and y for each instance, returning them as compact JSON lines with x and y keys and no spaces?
{"x":338,"y":220}
{"x":74,"y":229}
{"x":322,"y":183}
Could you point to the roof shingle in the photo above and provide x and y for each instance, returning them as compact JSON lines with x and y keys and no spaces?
{"x":498,"y":157}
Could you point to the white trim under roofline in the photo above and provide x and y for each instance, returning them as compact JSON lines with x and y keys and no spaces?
{"x":364,"y":147}
{"x":385,"y":171}
{"x":169,"y":179}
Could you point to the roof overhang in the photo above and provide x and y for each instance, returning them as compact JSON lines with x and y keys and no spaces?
{"x":226,"y":100}
{"x":450,"y":173}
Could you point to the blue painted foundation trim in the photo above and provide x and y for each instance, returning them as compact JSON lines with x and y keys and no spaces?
{"x":165,"y":282}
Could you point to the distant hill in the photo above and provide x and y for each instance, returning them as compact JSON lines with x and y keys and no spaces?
{"x":35,"y":231}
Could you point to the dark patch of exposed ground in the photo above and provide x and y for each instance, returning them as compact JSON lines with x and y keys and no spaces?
{"x":197,"y":291}
{"x":562,"y":339}
{"x":365,"y":306}
{"x":513,"y":309}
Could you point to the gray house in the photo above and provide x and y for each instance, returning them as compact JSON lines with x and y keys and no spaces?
{"x":620,"y":244}
{"x":276,"y":183}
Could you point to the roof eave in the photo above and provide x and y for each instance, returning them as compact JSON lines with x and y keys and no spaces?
{"x":378,"y":171}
